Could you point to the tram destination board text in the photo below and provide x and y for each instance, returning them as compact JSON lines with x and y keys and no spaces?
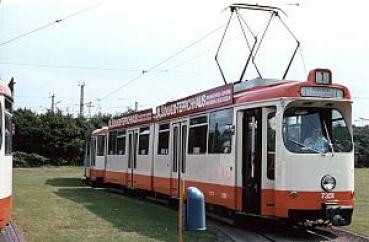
{"x":217,"y":97}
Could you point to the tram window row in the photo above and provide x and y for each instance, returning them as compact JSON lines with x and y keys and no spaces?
{"x":209,"y":133}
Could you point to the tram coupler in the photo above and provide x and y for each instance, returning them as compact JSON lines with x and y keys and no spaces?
{"x":338,"y":215}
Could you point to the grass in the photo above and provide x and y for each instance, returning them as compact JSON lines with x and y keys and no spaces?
{"x":360,"y":222}
{"x":52,"y":204}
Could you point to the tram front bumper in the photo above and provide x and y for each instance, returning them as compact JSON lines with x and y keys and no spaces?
{"x":315,"y":205}
{"x":338,"y":215}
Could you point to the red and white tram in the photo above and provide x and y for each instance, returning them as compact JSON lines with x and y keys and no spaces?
{"x":5,"y":154}
{"x":96,"y":158}
{"x":266,"y":147}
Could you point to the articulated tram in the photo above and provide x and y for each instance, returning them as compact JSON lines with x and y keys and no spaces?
{"x":272,"y":148}
{"x":5,"y":154}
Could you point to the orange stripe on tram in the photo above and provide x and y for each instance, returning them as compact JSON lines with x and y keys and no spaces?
{"x":5,"y":211}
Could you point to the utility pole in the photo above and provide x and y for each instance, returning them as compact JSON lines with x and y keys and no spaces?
{"x":89,"y":105}
{"x":53,"y":103}
{"x":136,"y":106}
{"x":81,"y":101}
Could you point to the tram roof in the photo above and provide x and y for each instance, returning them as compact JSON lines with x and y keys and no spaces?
{"x":102,"y":131}
{"x":285,"y":89}
{"x":234,"y":93}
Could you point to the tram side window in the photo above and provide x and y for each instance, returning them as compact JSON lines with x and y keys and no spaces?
{"x":163,"y":139}
{"x":112,"y":143}
{"x":121,"y":142}
{"x":341,"y":138}
{"x":220,"y":131}
{"x":100,"y":145}
{"x":197,"y":138}
{"x":8,"y":128}
{"x":271,"y":146}
{"x":143,"y":144}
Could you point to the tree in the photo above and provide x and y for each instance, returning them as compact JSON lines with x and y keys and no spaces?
{"x":361,"y":140}
{"x":59,"y":137}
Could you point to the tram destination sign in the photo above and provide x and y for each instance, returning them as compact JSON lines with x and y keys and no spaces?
{"x":144,"y":116}
{"x":213,"y":98}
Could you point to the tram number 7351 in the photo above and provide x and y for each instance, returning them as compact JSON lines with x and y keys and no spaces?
{"x":327,"y":195}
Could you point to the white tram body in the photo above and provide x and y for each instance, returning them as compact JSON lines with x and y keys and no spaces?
{"x":265,"y":147}
{"x":96,"y":158}
{"x":5,"y":154}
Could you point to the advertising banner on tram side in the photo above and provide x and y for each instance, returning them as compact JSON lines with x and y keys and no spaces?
{"x":213,"y":98}
{"x":131,"y":119}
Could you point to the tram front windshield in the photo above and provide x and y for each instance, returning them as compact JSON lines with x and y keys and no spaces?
{"x":315,"y":130}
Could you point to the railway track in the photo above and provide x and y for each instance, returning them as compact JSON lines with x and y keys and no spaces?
{"x":276,"y":234}
{"x":261,"y":229}
{"x":243,"y":228}
{"x":11,"y":234}
{"x":253,"y":228}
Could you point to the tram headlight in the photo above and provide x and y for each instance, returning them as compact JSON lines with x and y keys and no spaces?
{"x":328,"y":183}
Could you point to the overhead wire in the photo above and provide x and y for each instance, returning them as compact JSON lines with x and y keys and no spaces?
{"x":98,"y":68}
{"x":49,"y":24}
{"x":187,"y":73}
{"x":231,"y":39}
{"x":71,"y":67}
{"x":163,"y":61}
{"x":142,"y":72}
{"x":188,"y":60}
{"x":199,"y":54}
{"x":40,"y":97}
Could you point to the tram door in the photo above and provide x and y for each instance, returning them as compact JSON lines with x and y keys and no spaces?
{"x":132,"y":156}
{"x":268,"y":160}
{"x":178,"y":168}
{"x":251,"y":160}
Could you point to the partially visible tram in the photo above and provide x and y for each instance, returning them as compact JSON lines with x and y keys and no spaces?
{"x":94,"y":157}
{"x":266,"y":147}
{"x":5,"y":154}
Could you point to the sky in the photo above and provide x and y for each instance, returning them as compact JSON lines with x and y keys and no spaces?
{"x":107,"y":44}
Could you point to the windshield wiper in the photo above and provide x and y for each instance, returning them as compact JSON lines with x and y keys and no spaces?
{"x":329,"y":138}
{"x":305,"y":146}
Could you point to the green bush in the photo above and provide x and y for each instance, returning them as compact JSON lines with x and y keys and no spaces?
{"x":23,"y":159}
{"x":51,"y":138}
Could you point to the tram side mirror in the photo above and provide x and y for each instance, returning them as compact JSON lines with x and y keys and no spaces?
{"x":195,"y":210}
